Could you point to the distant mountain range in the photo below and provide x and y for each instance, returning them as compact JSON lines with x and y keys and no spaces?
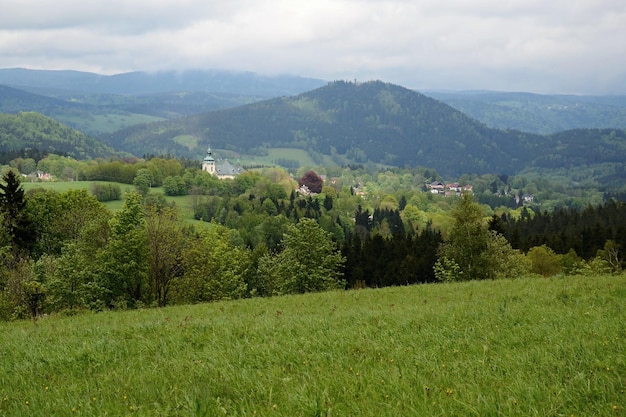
{"x":212,"y":81}
{"x":538,"y":113}
{"x":183,"y":113}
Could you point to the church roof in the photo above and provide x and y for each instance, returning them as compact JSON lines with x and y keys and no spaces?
{"x":223,"y":168}
{"x":226,"y":168}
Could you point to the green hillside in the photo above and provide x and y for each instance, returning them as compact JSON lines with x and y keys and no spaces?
{"x":370,"y":122}
{"x":33,"y":130}
{"x":519,"y":347}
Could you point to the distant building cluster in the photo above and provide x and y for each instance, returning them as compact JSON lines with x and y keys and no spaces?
{"x":450,"y":189}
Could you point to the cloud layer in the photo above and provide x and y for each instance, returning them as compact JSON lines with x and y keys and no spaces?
{"x":574,"y":46}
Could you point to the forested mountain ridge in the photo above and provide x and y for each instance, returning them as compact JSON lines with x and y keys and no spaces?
{"x":373,"y":121}
{"x":35,"y":131}
{"x":538,"y":113}
{"x":215,"y":81}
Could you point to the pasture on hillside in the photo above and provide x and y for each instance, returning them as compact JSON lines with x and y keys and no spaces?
{"x":517,"y":347}
{"x":184,"y":203}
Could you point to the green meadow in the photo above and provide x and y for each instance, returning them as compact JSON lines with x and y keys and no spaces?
{"x":518,"y":347}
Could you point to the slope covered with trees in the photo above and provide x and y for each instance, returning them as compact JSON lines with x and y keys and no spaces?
{"x":374,"y":122}
{"x":33,"y":130}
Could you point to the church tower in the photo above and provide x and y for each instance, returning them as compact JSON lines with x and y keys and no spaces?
{"x":208,"y":163}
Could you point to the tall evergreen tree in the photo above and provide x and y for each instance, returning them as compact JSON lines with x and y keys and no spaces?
{"x":16,"y":222}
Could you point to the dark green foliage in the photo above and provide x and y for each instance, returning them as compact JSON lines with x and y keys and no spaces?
{"x":401,"y":260}
{"x":15,"y":219}
{"x":583,"y":231}
{"x":26,"y":153}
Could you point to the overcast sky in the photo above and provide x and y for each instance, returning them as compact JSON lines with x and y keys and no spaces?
{"x":546,"y":46}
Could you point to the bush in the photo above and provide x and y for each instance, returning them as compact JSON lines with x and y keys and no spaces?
{"x":106,"y":192}
{"x":173,"y":186}
{"x":544,"y":261}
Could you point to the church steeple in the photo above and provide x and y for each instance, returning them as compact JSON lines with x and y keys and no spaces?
{"x":208,"y":163}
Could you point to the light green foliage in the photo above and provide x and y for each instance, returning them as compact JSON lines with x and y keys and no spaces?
{"x":468,"y":240}
{"x":143,"y":181}
{"x":414,"y":217}
{"x":474,"y":252}
{"x":123,"y":263}
{"x":544,"y":261}
{"x":73,"y":237}
{"x":24,"y":165}
{"x":214,"y":265}
{"x":61,"y":217}
{"x":60,"y":167}
{"x":571,"y":263}
{"x":504,"y":261}
{"x":308,"y":262}
{"x":174,"y":186}
{"x":524,"y":347}
{"x":611,"y":255}
{"x":446,"y":270}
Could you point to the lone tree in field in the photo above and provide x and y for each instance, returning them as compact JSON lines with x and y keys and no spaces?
{"x":312,"y":181}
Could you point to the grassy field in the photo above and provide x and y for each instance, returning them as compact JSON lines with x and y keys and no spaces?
{"x":523,"y":347}
{"x":184,"y":203}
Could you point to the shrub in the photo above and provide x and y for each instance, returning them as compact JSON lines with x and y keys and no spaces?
{"x":106,"y":192}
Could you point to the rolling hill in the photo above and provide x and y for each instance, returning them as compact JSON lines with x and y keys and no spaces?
{"x":376,"y":122}
{"x":36,"y":131}
{"x":98,"y":113}
{"x":97,"y":104}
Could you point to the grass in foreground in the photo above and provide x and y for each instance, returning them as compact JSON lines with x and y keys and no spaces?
{"x":545,"y":347}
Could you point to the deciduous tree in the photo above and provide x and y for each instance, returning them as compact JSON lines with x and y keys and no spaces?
{"x":309,"y":261}
{"x":165,"y":238}
{"x":312,"y":181}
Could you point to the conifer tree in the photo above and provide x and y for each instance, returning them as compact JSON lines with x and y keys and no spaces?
{"x":16,"y":222}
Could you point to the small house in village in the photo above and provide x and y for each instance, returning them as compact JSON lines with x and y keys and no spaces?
{"x":450,"y":189}
{"x":222,"y":168}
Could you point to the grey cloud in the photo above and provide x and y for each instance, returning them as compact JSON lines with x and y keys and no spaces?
{"x":566,"y":46}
